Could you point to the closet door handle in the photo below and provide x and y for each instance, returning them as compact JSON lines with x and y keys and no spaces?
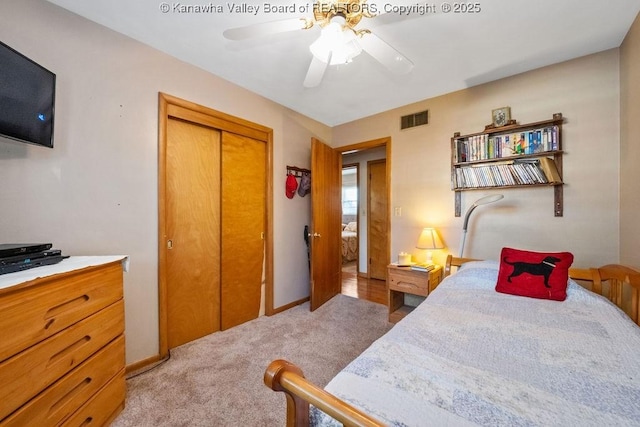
{"x":316,"y":235}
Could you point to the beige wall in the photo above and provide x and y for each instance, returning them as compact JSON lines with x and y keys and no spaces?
{"x":96,"y":191}
{"x":630,"y":147}
{"x":585,"y":90}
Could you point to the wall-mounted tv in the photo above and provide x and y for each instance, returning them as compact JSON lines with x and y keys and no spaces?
{"x":27,"y":99}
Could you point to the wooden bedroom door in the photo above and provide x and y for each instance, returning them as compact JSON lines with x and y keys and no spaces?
{"x":378,"y":208}
{"x":326,"y":210}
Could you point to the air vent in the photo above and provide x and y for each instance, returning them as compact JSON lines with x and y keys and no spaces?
{"x":413,"y":120}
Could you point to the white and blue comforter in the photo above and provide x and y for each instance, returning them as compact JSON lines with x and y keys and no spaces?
{"x":471,"y":356}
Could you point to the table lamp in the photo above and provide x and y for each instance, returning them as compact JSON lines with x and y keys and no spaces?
{"x":429,"y":240}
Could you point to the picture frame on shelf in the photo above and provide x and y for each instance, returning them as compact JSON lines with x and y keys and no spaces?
{"x":501,"y":116}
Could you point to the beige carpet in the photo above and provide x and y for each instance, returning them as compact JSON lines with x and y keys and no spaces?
{"x":217,"y":380}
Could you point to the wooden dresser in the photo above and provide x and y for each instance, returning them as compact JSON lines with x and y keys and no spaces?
{"x":62,"y":353}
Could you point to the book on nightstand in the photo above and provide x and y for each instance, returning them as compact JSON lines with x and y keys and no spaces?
{"x":423,"y":267}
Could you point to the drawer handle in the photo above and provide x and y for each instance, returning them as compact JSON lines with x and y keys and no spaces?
{"x":70,"y":349}
{"x":67,"y":397}
{"x":61,"y":308}
{"x":408,"y":284}
{"x":49,"y":323}
{"x":87,"y":421}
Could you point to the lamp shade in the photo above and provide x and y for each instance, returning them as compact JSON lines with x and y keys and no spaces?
{"x":429,"y":239}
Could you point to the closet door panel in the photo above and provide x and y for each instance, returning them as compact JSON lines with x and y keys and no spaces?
{"x":243,"y":224}
{"x":193,"y":231}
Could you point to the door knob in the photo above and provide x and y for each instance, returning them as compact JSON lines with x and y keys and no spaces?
{"x":316,"y":235}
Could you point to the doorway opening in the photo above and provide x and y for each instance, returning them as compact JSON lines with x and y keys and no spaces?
{"x":326,"y":263}
{"x":358,"y":236}
{"x":349,"y":227}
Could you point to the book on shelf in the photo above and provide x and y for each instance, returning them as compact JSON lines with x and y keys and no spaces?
{"x":528,"y":171}
{"x":550,"y":170}
{"x":484,"y":146}
{"x":423,"y":267}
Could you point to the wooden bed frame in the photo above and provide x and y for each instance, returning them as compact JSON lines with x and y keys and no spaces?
{"x":618,"y":283}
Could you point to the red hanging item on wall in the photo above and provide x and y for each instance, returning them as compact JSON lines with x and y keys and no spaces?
{"x":291,"y":185}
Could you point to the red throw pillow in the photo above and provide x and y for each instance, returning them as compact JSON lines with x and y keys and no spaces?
{"x":534,"y":274}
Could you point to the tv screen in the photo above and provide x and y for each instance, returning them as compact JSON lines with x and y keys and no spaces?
{"x":27,"y":99}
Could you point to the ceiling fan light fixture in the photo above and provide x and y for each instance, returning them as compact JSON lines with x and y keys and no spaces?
{"x":337,"y":44}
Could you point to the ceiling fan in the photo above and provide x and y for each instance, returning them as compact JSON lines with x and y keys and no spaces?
{"x":339,"y":42}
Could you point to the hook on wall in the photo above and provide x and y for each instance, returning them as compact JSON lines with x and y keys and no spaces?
{"x":296,"y":171}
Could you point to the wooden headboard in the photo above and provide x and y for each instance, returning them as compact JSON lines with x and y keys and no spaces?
{"x":455,"y":262}
{"x":619,"y":281}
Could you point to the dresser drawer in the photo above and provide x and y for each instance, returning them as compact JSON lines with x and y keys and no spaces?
{"x":29,"y":372}
{"x":411,"y":281}
{"x":103,"y":407}
{"x":72,"y":391}
{"x":55,"y":303}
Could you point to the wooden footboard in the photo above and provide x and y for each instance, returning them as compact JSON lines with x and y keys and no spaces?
{"x":288,"y":378}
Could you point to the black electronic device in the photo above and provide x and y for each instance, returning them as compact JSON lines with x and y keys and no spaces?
{"x":12,"y":249}
{"x":32,"y":263}
{"x":27,"y":99}
{"x":27,"y":257}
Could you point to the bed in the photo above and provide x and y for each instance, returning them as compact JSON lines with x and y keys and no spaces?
{"x":349,"y":242}
{"x":469,"y":355}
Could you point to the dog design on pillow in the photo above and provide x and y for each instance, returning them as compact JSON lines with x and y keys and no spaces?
{"x":543,"y":268}
{"x":548,"y":268}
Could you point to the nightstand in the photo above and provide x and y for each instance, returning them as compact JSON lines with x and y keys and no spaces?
{"x":404,"y":280}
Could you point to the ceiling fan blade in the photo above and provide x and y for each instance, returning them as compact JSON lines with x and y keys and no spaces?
{"x":265,"y":29}
{"x":315,"y":72}
{"x":385,"y":54}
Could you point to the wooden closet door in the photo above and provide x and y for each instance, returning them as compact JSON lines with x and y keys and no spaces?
{"x":243,"y":226}
{"x":193,"y":230}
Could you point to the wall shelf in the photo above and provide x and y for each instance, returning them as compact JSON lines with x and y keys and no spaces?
{"x":511,"y":156}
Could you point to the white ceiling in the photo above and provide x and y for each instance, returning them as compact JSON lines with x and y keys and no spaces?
{"x":451,"y":51}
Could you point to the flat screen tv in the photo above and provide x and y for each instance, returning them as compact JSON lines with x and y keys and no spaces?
{"x":27,"y":99}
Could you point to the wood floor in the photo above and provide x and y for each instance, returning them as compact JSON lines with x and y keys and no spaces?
{"x":360,"y":287}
